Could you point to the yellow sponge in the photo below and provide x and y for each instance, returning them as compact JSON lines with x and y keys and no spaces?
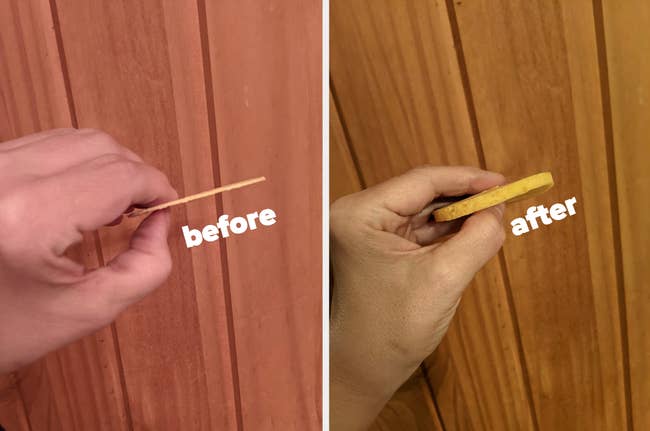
{"x":521,"y":189}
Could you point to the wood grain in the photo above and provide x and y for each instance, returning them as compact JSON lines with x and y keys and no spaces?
{"x":31,"y":83}
{"x":177,"y":370}
{"x":267,"y":103}
{"x":627,"y":43}
{"x":77,"y":387}
{"x":12,"y":410}
{"x":400,"y":89}
{"x":533,"y":73}
{"x":411,"y":409}
{"x":161,"y":76}
{"x":344,"y":178}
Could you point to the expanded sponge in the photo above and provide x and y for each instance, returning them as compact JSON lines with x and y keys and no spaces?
{"x":521,"y":189}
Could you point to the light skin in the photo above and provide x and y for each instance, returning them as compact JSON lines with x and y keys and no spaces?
{"x":397,"y":280}
{"x":54,"y":186}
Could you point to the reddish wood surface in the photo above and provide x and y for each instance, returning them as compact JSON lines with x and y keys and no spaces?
{"x":79,"y":386}
{"x":12,"y":409}
{"x":233,"y":339}
{"x":267,"y":105}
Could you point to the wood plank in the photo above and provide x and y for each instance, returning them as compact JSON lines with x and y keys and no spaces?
{"x":77,"y":387}
{"x":31,"y":83}
{"x":411,"y":409}
{"x":627,"y":42}
{"x":534,"y":79}
{"x":149,"y":94}
{"x":344,"y":178}
{"x":12,"y":410}
{"x":396,"y":74}
{"x":267,"y":101}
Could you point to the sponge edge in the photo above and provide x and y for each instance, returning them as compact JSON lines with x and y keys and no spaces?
{"x":515,"y":191}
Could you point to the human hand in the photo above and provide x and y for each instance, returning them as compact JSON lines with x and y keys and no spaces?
{"x":54,"y":186}
{"x":395,"y":285}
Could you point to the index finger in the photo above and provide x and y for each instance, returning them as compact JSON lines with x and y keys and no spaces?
{"x":93,"y":194}
{"x":409,"y":193}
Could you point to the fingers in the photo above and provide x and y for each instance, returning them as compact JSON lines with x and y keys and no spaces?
{"x":459,"y":258}
{"x":53,"y":152}
{"x":35,"y":137}
{"x":139,"y":270}
{"x":92,"y":195}
{"x":434,"y":231}
{"x":111,"y":186}
{"x":409,"y":193}
{"x":425,"y":231}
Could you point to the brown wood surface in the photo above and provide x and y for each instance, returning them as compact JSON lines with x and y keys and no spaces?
{"x":532,"y":111}
{"x":542,"y":337}
{"x":344,"y":178}
{"x":399,"y":86}
{"x":233,"y":339}
{"x":627,"y":43}
{"x":410,"y":409}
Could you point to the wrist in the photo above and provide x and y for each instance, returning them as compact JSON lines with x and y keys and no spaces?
{"x":352,"y":408}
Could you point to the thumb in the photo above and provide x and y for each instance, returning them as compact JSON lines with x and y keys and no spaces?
{"x":140,"y":269}
{"x":458,"y":259}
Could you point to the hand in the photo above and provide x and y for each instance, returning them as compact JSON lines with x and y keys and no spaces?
{"x":396,"y":286}
{"x":54,"y":186}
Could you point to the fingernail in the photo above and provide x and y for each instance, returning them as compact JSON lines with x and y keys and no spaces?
{"x":494,"y":175}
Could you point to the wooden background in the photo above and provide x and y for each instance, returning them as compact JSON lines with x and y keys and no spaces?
{"x":210,"y":92}
{"x":552,"y":334}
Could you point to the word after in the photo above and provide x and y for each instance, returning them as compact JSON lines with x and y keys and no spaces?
{"x":539,"y":213}
{"x":224,"y":227}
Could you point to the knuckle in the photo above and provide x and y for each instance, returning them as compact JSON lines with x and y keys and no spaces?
{"x":161,"y":177}
{"x":423,"y":170}
{"x":489,"y":228}
{"x":14,"y":208}
{"x":340,"y":213}
{"x":105,"y":142}
{"x":89,"y":131}
{"x":120,"y":166}
{"x":444,"y":275}
{"x":63,"y":131}
{"x":165,"y":268}
{"x":494,"y":229}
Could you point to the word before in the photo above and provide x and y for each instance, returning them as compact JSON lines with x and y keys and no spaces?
{"x":224,"y":227}
{"x":556,"y":212}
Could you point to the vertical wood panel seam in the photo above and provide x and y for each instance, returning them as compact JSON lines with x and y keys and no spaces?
{"x":64,"y":65}
{"x":98,"y":249}
{"x":458,"y":47}
{"x":516,"y":330}
{"x":22,"y":54}
{"x":464,"y":76}
{"x":15,"y":382}
{"x":346,"y":134}
{"x":432,"y":394}
{"x":216,"y":172}
{"x":601,"y":47}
